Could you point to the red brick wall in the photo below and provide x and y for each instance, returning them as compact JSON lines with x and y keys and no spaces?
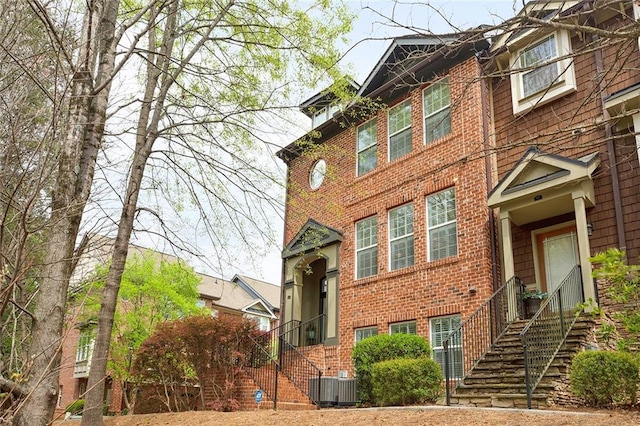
{"x":427,"y":289}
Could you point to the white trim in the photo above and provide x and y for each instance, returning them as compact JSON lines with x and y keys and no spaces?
{"x":399,"y":323}
{"x":371,"y":327}
{"x":441,"y":225}
{"x":565,"y":83}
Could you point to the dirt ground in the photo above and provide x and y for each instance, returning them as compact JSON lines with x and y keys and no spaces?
{"x":380,"y":416}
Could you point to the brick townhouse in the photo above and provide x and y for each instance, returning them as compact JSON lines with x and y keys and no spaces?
{"x":387,"y":224}
{"x":495,"y":166}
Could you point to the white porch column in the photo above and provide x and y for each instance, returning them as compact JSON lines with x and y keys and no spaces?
{"x":507,"y":245}
{"x":583,"y":246}
{"x":508,"y":264}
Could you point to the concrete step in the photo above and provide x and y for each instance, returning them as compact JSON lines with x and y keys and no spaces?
{"x":500,"y":400}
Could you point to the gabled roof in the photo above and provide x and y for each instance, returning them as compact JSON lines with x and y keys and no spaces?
{"x":537,"y":179}
{"x":409,"y":61}
{"x":267,"y":292}
{"x":311,"y":236}
{"x":402,"y":55}
{"x":234,"y":296}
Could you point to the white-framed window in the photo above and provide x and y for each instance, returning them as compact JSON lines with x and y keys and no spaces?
{"x":401,"y":251}
{"x":85,"y":345}
{"x":400,"y":130}
{"x":367,"y":147}
{"x":364,"y":332}
{"x":367,"y":247}
{"x":264,"y":323}
{"x":200,"y":303}
{"x":436,"y":102}
{"x":442,"y":230}
{"x":544,"y":76}
{"x":440,"y":328}
{"x":324,"y":114}
{"x":406,"y":327}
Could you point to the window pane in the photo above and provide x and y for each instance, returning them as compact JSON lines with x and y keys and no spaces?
{"x":402,"y":253}
{"x":539,"y":79}
{"x":440,"y":330}
{"x":436,"y":97}
{"x":367,"y":261}
{"x":366,"y":247}
{"x":441,"y":225}
{"x":367,"y":159}
{"x":437,"y":125}
{"x":401,"y":221}
{"x":400,"y":117}
{"x":363,"y":333}
{"x":443,"y":242}
{"x":403,"y":327}
{"x":400,"y":144}
{"x":367,"y":134}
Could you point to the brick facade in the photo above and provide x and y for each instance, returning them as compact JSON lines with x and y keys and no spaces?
{"x":428,"y":289}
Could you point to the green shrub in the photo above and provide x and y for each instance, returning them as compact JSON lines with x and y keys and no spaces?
{"x":406,"y":381}
{"x":75,"y":407}
{"x":384,"y":347}
{"x":605,"y":377}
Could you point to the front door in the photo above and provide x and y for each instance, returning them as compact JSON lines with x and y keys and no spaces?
{"x":558,"y":255}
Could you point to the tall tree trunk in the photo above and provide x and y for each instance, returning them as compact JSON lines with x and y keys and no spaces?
{"x":72,"y":189}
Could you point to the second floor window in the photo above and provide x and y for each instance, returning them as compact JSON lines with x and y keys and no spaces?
{"x":400,"y":130}
{"x":366,"y":247}
{"x":441,"y":225}
{"x":401,"y":237}
{"x":436,"y":101}
{"x":367,"y":147}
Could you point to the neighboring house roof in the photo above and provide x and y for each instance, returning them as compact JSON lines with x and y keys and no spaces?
{"x":267,"y":292}
{"x":243,"y":294}
{"x":233,"y":295}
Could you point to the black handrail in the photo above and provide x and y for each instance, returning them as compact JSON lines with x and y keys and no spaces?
{"x":465,"y":346}
{"x":296,"y":366}
{"x":546,"y":332}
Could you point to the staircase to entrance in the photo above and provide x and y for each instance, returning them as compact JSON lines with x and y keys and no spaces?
{"x":495,"y":358}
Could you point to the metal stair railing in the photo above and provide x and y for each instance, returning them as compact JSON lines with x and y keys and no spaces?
{"x":303,"y":373}
{"x":465,"y":346}
{"x":545,"y":333}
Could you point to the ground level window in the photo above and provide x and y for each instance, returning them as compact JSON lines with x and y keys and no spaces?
{"x":363,"y":333}
{"x":407,"y":327}
{"x":440,"y":328}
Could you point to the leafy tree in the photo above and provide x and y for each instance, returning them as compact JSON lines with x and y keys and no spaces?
{"x":199,"y":349}
{"x":152,"y":291}
{"x":623,"y":289}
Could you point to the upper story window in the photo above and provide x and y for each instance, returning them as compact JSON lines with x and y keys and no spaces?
{"x":400,"y":130}
{"x":323,"y":114}
{"x":366,"y":247}
{"x":547,"y":72}
{"x":263,"y":323}
{"x":367,"y":147}
{"x":401,"y":253}
{"x":442,"y":235}
{"x":363,"y":333}
{"x":407,"y":327}
{"x":436,"y":102}
{"x":85,"y":345}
